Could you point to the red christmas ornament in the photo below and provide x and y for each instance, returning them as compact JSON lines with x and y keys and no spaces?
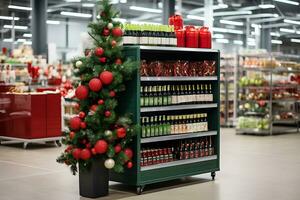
{"x":93,"y":150}
{"x":95,"y":84}
{"x":88,"y":145}
{"x":81,"y":92}
{"x":118,"y":61}
{"x":101,"y":102}
{"x":113,"y":43}
{"x":129,"y":165}
{"x":87,"y":52}
{"x":112,"y":93}
{"x":101,"y":146}
{"x":102,"y":14}
{"x":117,"y":148}
{"x":102,"y":59}
{"x":68,"y":149}
{"x":106,"y":77}
{"x":75,"y":123}
{"x":81,"y":115}
{"x":107,"y":113}
{"x":72,"y":135}
{"x":76,"y":153}
{"x":84,"y":141}
{"x":105,"y":32}
{"x":121,"y":132}
{"x":117,"y":32}
{"x":76,"y":106}
{"x":128,"y":152}
{"x":83,"y":125}
{"x":85,"y":154}
{"x":94,"y":108}
{"x":99,"y":51}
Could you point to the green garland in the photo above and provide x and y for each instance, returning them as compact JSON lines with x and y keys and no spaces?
{"x":98,"y":126}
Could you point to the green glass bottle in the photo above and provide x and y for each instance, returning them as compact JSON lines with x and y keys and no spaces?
{"x":142,"y":97}
{"x":152,"y":127}
{"x":146,"y":96}
{"x":143,"y":128}
{"x":150,"y":97}
{"x":147,"y":127}
{"x":155,"y":95}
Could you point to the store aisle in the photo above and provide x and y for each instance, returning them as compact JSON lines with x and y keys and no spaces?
{"x":252,"y":168}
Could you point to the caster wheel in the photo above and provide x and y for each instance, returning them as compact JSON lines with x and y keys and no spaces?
{"x":139,"y":190}
{"x":213,"y":175}
{"x":58,"y":143}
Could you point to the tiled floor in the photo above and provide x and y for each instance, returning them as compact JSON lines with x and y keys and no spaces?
{"x":252,"y":168}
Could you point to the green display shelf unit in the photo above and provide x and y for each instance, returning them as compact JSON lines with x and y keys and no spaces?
{"x":140,"y":176}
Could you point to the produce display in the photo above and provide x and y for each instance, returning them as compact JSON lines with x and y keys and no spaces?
{"x":268,"y":94}
{"x":178,"y":68}
{"x":253,"y":123}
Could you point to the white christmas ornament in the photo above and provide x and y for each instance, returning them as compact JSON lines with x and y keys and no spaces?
{"x":108,"y":133}
{"x":109,"y":163}
{"x":110,"y":25}
{"x":78,"y":63}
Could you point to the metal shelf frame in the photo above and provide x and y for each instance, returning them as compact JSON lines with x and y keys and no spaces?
{"x":140,"y":176}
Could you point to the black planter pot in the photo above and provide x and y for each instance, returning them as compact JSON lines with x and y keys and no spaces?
{"x":93,"y":183}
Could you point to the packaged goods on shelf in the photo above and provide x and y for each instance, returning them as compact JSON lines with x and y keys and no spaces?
{"x":178,"y":68}
{"x":268,"y":93}
{"x":177,"y":150}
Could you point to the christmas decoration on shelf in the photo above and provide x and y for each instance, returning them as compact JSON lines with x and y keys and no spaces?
{"x":99,"y":131}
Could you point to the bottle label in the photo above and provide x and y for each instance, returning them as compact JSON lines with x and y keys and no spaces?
{"x":146,"y":101}
{"x":174,"y":99}
{"x":144,"y":40}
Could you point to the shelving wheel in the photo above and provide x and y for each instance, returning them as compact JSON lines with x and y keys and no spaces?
{"x":140,"y":189}
{"x":213,"y":175}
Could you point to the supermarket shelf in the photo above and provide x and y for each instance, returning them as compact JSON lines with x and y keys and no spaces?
{"x":178,"y":107}
{"x":274,"y":70}
{"x":15,"y":64}
{"x":160,"y":48}
{"x":272,"y":86}
{"x":177,"y":137}
{"x":181,"y":78}
{"x":179,"y":162}
{"x":285,"y":121}
{"x":273,"y":101}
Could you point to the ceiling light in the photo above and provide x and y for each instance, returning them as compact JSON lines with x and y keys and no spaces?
{"x":251,"y":43}
{"x":74,"y":14}
{"x":218,"y":36}
{"x":88,"y":5}
{"x":291,"y":21}
{"x":298,"y":32}
{"x":123,"y":1}
{"x":224,"y":30}
{"x":238,"y":42}
{"x":275,"y":15}
{"x":72,"y":1}
{"x":28,"y":42}
{"x":250,"y":39}
{"x":28,"y":35}
{"x":223,"y":21}
{"x":225,"y":41}
{"x":16,"y":27}
{"x":195,"y":17}
{"x":287,"y":30}
{"x":53,"y":22}
{"x":255,"y":25}
{"x":266,"y":6}
{"x":276,"y":34}
{"x":295,"y":40}
{"x":288,"y":2}
{"x":222,"y":5}
{"x":7,"y":40}
{"x":276,"y":41}
{"x":152,"y":10}
{"x":9,"y":18}
{"x":19,"y":7}
{"x":229,"y":13}
{"x":21,"y":40}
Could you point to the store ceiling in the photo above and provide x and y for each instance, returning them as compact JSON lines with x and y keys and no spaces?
{"x":192,"y":7}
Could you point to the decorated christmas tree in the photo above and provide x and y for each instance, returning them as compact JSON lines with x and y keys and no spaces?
{"x":99,"y":132}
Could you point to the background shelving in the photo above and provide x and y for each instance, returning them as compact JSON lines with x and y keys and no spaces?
{"x":268,"y":94}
